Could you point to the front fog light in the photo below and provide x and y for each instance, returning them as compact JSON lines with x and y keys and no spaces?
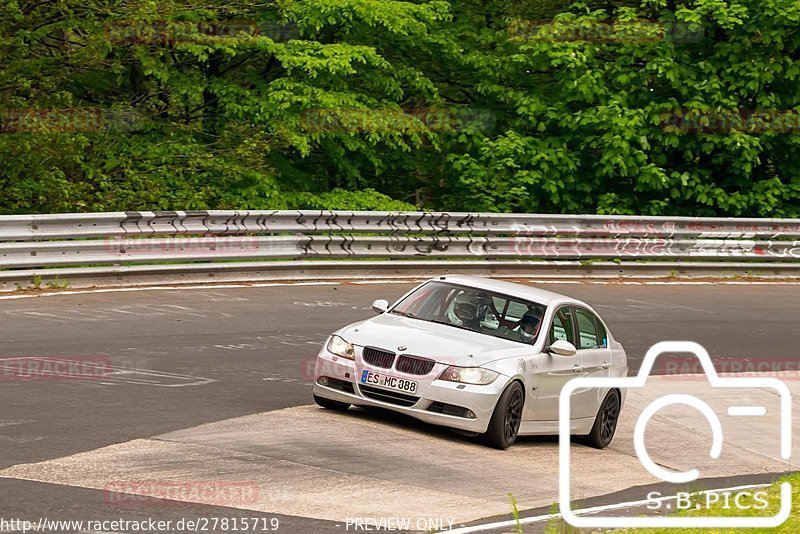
{"x":340,"y":347}
{"x":469,"y":375}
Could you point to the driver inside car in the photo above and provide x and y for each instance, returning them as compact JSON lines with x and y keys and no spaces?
{"x":527,"y":328}
{"x":468,"y":310}
{"x":528,"y":325}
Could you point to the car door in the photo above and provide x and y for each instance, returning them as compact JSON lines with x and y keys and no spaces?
{"x":555,"y":370}
{"x":595,"y":358}
{"x":508,"y":313}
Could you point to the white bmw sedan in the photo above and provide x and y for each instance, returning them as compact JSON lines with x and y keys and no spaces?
{"x":480,"y":356}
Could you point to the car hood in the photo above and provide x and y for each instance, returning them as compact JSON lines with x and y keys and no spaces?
{"x":443,"y":343}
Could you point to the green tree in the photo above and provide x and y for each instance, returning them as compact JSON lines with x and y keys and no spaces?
{"x":616,"y":109}
{"x":616,"y":106}
{"x":190,"y":104}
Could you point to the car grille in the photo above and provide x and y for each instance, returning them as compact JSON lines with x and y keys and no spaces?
{"x":414,"y":365}
{"x":378,"y":358}
{"x":391,"y":397}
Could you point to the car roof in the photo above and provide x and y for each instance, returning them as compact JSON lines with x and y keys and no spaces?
{"x":523,"y":291}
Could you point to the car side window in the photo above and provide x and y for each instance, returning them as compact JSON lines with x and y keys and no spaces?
{"x":602,"y":336}
{"x":562,"y":328}
{"x":590,"y":330}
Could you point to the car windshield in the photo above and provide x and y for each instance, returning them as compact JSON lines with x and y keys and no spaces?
{"x":474,"y":309}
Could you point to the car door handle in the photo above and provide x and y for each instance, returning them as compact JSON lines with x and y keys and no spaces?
{"x":605,"y":365}
{"x":577,"y":368}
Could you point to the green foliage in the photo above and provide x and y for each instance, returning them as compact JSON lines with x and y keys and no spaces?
{"x":590,"y":102}
{"x":187,"y":104}
{"x":366,"y":200}
{"x":613,"y":107}
{"x":515,"y":512}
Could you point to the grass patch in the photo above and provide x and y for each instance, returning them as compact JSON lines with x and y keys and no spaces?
{"x":719,"y":509}
{"x":515,"y":511}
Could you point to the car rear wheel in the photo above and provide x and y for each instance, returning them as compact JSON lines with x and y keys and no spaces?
{"x":605,"y":424}
{"x":507,"y":416}
{"x":331,"y":404}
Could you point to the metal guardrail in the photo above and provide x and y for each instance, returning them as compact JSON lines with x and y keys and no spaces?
{"x":141,"y":223}
{"x":94,"y":244}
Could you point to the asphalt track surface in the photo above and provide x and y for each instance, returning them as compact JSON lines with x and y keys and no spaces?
{"x":205,"y":355}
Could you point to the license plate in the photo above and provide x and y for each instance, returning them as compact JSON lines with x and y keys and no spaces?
{"x":389,"y":382}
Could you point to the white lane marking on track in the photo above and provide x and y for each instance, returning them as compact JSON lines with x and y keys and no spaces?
{"x":89,"y":372}
{"x":104,"y":313}
{"x":319,"y":304}
{"x":657,"y":305}
{"x":561,"y":282}
{"x":165,"y":288}
{"x":36,"y":314}
{"x":592,"y":510}
{"x":285,"y":379}
{"x":14,"y":422}
{"x":215,"y":296}
{"x":128,"y":312}
{"x":365,"y":282}
{"x":369,"y":282}
{"x":20,"y":440}
{"x":262,"y":342}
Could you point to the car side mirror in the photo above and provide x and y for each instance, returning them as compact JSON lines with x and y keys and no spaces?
{"x":380,"y":306}
{"x":562,"y":348}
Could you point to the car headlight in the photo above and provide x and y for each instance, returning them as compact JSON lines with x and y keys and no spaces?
{"x":340,"y":347}
{"x":469,"y":375}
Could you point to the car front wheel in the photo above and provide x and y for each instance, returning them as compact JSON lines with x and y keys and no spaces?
{"x":331,"y":404}
{"x":507,"y":416}
{"x":605,"y":424}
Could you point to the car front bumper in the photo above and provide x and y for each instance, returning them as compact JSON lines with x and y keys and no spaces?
{"x":480,"y":400}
